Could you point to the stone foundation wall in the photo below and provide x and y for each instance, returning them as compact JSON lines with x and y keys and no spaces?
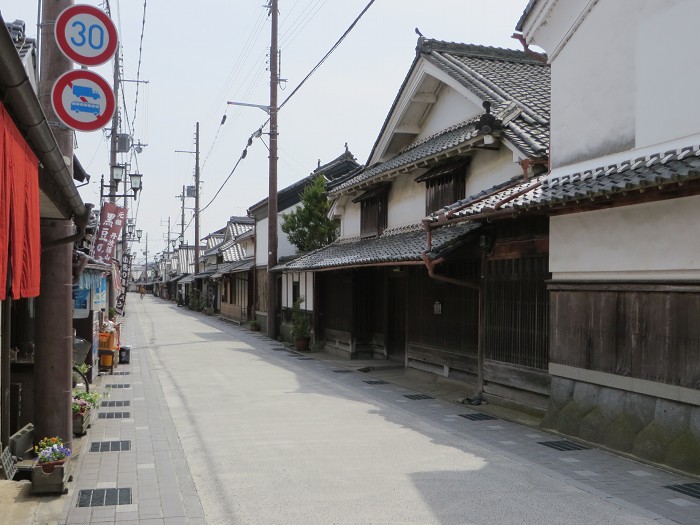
{"x":656,"y":430}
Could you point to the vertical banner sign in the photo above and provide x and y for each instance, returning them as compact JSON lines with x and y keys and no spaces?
{"x":124,"y":276}
{"x":112,"y":218}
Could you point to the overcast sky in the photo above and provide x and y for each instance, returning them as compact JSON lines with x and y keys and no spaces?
{"x":197,"y":55}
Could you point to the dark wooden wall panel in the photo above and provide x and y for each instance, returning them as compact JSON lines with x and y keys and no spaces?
{"x":640,"y":333}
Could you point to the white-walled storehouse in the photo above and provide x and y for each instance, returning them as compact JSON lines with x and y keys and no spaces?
{"x":624,"y":198}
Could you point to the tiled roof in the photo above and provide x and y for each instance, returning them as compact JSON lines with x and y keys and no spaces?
{"x":517,"y":86}
{"x":332,"y":170}
{"x":396,"y":246}
{"x":233,"y":252}
{"x":238,"y":266}
{"x":545,"y":191}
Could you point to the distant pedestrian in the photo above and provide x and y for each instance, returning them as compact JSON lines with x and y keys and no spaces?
{"x":142,"y":291}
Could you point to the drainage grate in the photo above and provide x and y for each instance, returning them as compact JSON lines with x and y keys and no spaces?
{"x":416,"y":397}
{"x":343,"y":371}
{"x":110,"y":446}
{"x":478,"y":416}
{"x":116,"y":403}
{"x":121,"y":373}
{"x":114,"y":415}
{"x":563,"y":445}
{"x":376,"y":382}
{"x":293,"y":355}
{"x":103,"y":497}
{"x":302,"y":358}
{"x":118,"y":385}
{"x":279,"y":349}
{"x":689,"y":489}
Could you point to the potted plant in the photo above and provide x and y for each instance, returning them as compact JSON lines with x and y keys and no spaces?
{"x":301,"y":329}
{"x":82,"y":405}
{"x":254,"y":325}
{"x":51,"y":469}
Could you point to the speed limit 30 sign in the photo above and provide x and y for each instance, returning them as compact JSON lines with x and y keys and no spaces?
{"x":86,"y":35}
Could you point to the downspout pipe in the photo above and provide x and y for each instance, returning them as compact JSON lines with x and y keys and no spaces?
{"x":55,"y":177}
{"x":479,"y":287}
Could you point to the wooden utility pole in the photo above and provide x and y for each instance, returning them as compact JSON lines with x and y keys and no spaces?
{"x":182,"y":217}
{"x":272,"y":198}
{"x":196,"y":200}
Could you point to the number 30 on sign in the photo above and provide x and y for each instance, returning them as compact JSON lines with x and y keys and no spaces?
{"x":86,"y":35}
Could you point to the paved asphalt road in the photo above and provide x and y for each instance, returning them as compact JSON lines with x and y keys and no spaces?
{"x":270,"y":438}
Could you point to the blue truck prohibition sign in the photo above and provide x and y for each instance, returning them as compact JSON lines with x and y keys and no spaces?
{"x":85,"y":91}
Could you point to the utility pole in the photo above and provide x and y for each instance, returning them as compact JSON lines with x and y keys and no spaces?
{"x":196,"y":200}
{"x":146,"y":254}
{"x":272,"y":198}
{"x":53,"y":354}
{"x":182,"y":218}
{"x":113,"y":142}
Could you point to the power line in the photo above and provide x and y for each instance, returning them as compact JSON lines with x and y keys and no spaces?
{"x":257,"y":132}
{"x":347,"y":32}
{"x":138,"y":67}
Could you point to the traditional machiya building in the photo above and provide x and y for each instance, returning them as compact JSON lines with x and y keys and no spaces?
{"x":234,"y":276}
{"x":624,"y":199}
{"x":462,"y":299}
{"x":287,"y":200}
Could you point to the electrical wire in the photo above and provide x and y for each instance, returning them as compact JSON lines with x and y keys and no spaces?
{"x":320,"y":63}
{"x":138,"y":67}
{"x":296,"y":89}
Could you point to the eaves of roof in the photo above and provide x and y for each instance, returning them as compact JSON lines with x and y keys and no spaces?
{"x":453,"y":141}
{"x":602,"y":183}
{"x":400,"y":247}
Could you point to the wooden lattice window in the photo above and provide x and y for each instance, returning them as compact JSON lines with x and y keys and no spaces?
{"x":444,"y":185}
{"x":373,"y":211}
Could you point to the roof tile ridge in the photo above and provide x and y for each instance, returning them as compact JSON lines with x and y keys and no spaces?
{"x":427,"y":45}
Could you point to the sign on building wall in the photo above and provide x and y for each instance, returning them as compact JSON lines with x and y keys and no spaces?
{"x":112,"y":218}
{"x":124,"y":281}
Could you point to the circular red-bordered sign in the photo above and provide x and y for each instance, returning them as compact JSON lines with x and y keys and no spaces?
{"x":83,"y":100}
{"x":86,"y":35}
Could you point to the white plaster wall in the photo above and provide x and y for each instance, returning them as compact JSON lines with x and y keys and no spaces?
{"x":642,"y":241}
{"x":261,"y":243}
{"x":406,"y":201}
{"x":667,"y":41}
{"x":350,"y":223}
{"x":306,"y":288}
{"x":284,"y":247}
{"x":621,"y":74}
{"x":489,"y":168}
{"x":450,"y":108}
{"x":593,"y":85}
